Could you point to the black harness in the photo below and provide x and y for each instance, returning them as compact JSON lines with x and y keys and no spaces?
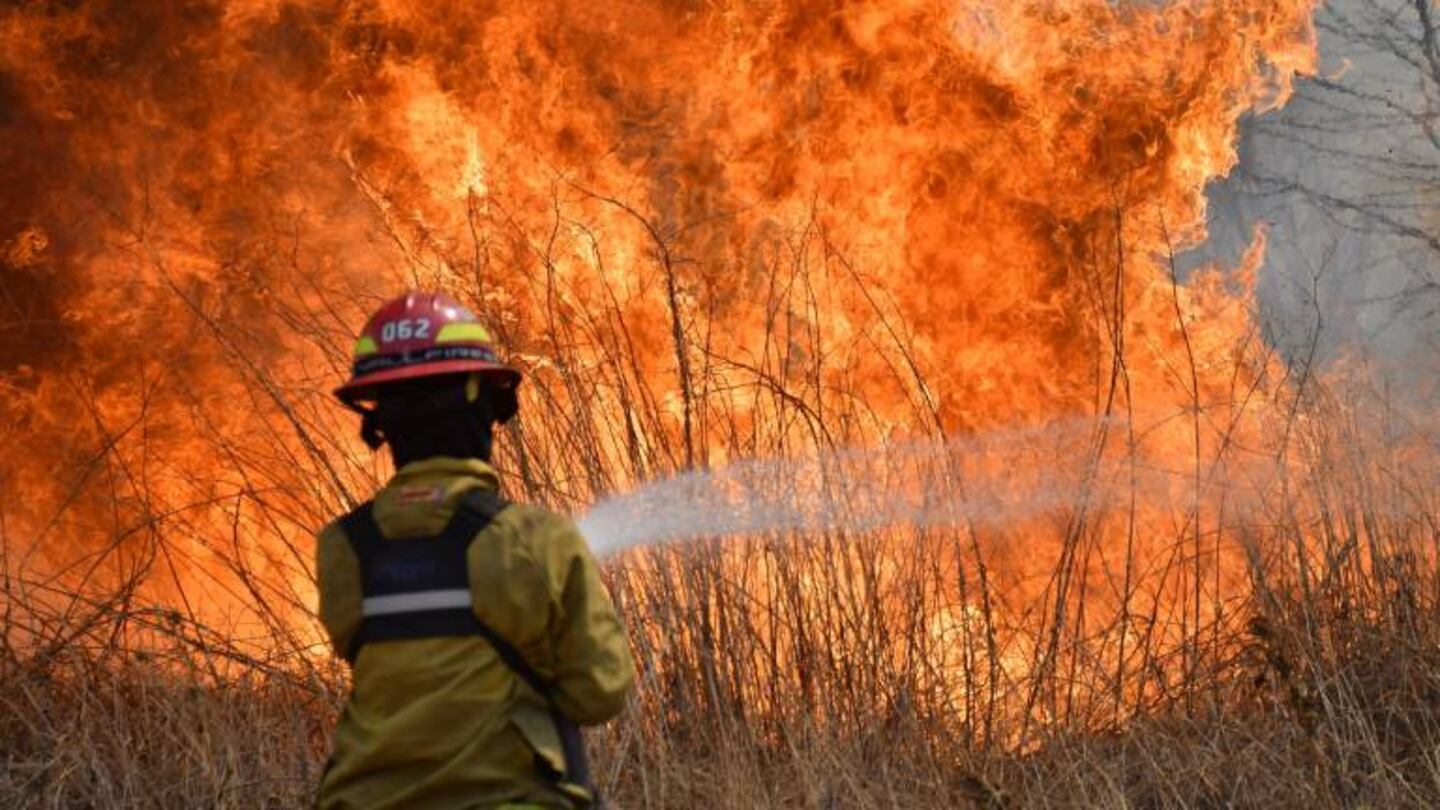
{"x":420,"y":588}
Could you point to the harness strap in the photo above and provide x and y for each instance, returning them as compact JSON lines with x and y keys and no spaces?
{"x":420,"y":588}
{"x":572,"y":741}
{"x":417,"y":587}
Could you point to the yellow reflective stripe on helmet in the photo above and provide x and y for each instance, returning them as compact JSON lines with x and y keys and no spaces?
{"x":455,"y":332}
{"x":365,"y":345}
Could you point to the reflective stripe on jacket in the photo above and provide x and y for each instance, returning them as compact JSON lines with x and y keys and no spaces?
{"x":443,"y":722}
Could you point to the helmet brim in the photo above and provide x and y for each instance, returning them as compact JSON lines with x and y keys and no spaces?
{"x":363,"y":388}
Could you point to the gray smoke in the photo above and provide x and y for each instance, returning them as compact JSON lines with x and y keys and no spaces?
{"x":1347,"y":178}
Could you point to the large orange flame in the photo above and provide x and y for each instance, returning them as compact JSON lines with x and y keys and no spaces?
{"x":706,"y":231}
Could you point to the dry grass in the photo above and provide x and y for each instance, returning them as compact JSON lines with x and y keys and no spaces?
{"x":1317,"y":685}
{"x":1343,"y":715}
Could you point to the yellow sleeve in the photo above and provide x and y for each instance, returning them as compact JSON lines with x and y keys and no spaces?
{"x":593,"y":668}
{"x":340,"y":594}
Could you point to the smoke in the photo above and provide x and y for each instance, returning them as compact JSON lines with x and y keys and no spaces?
{"x":1345,"y":179}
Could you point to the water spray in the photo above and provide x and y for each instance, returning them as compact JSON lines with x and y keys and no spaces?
{"x":981,"y":480}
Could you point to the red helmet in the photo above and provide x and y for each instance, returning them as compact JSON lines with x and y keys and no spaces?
{"x":421,"y":335}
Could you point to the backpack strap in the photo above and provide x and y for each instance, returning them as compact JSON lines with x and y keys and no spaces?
{"x":478,"y":509}
{"x":420,"y":588}
{"x":417,"y":587}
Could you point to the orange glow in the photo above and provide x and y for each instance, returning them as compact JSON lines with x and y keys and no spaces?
{"x":706,"y":231}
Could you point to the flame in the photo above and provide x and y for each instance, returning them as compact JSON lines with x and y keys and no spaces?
{"x":706,"y":231}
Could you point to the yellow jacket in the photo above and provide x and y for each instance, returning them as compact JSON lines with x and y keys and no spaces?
{"x":443,"y":722}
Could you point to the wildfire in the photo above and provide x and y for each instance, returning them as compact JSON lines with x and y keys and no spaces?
{"x":707,"y":231}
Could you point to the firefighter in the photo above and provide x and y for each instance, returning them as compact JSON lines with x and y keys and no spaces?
{"x":478,"y":631}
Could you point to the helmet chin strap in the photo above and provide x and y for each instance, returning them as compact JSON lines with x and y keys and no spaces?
{"x":496,"y":403}
{"x":370,"y":432}
{"x":370,"y":429}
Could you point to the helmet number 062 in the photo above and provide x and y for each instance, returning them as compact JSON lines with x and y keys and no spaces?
{"x":405,"y":329}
